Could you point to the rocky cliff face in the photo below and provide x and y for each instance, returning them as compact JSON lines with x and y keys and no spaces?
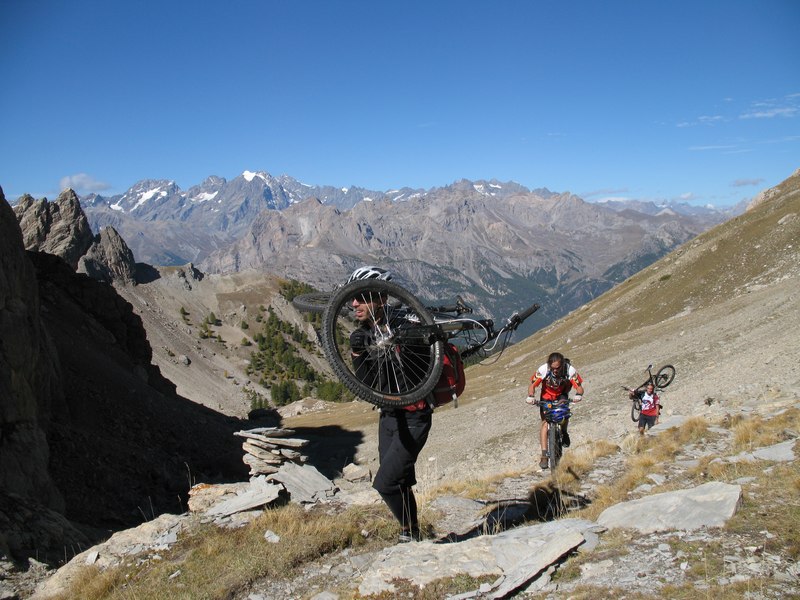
{"x":59,"y":227}
{"x":30,"y":377}
{"x":89,"y":429}
{"x":31,"y":391}
{"x":62,"y":229}
{"x":109,"y":259}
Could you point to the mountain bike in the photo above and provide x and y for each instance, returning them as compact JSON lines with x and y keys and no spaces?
{"x":404,"y":341}
{"x":660,"y":380}
{"x":555,"y":412}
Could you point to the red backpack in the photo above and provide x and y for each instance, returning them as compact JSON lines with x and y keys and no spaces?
{"x":452,"y":381}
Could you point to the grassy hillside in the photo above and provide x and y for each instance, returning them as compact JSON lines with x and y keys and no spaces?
{"x":727,"y":261}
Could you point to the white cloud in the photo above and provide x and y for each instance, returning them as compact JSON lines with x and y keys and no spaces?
{"x":771,"y":108}
{"x":83,"y":183}
{"x":770,"y":113}
{"x":607,"y":199}
{"x":702,"y":148}
{"x":702,"y":120}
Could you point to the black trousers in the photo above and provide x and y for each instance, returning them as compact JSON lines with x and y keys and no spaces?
{"x":401,"y":437}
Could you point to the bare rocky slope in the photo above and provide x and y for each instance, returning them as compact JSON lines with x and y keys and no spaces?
{"x":724,"y":309}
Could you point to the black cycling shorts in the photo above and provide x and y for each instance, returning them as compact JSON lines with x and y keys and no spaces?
{"x":646,"y":421}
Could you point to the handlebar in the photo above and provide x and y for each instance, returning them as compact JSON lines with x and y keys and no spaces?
{"x":517,"y":318}
{"x":459,"y":307}
{"x":539,"y":401}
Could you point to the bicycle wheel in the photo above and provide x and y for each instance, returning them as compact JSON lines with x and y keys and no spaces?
{"x":554,"y":445}
{"x":402,"y":351}
{"x":315,"y":302}
{"x":665,"y":376}
{"x":636,"y":409}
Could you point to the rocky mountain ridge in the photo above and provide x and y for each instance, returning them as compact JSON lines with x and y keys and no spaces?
{"x":503,"y":242}
{"x":168,"y":226}
{"x":500,"y":253}
{"x":61,"y":228}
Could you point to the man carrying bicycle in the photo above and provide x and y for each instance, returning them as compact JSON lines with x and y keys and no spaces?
{"x":402,"y":432}
{"x":650,"y":406}
{"x":557,"y":377}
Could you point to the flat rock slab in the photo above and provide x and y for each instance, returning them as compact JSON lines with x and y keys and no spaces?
{"x":707,"y":505}
{"x":304,"y":483}
{"x":257,"y":493}
{"x":666,"y":423}
{"x":515,"y":556}
{"x":783,"y":452}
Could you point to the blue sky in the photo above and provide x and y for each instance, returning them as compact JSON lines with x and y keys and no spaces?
{"x":645,"y":99}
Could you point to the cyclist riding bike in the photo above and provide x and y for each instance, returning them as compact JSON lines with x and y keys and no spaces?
{"x":557,"y":377}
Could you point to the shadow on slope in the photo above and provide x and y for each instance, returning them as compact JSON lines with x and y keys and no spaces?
{"x":330,"y":447}
{"x":146,"y":273}
{"x":124,"y":447}
{"x":545,"y":502}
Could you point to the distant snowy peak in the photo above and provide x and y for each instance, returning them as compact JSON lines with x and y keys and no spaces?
{"x":204,"y":196}
{"x":487,"y":189}
{"x":144,"y":194}
{"x":206,"y":191}
{"x":250,"y":175}
{"x":492,"y":188}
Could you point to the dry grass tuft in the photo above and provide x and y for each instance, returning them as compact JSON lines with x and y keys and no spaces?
{"x":468,"y":488}
{"x":755,"y":432}
{"x":645,"y":455}
{"x":216,"y":563}
{"x":692,"y":430}
{"x":580,"y":461}
{"x":771,"y":506}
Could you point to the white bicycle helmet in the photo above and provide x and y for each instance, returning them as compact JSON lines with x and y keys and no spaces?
{"x":369,"y":273}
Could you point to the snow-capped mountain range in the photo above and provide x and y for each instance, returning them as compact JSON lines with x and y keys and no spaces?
{"x":502,"y":240}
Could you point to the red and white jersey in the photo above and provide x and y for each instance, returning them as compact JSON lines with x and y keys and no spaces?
{"x":649,"y":404}
{"x":550,"y":392}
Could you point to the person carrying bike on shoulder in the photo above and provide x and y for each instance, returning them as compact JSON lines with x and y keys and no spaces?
{"x":651,"y":406}
{"x":402,"y":432}
{"x":557,"y":377}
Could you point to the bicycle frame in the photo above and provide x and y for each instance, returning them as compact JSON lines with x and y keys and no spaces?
{"x":401,"y":358}
{"x":448,"y":326}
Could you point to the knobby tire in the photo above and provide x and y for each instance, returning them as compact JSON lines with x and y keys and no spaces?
{"x":553,"y":445}
{"x":665,"y":376}
{"x":404,"y":364}
{"x":315,"y":302}
{"x":636,"y":409}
